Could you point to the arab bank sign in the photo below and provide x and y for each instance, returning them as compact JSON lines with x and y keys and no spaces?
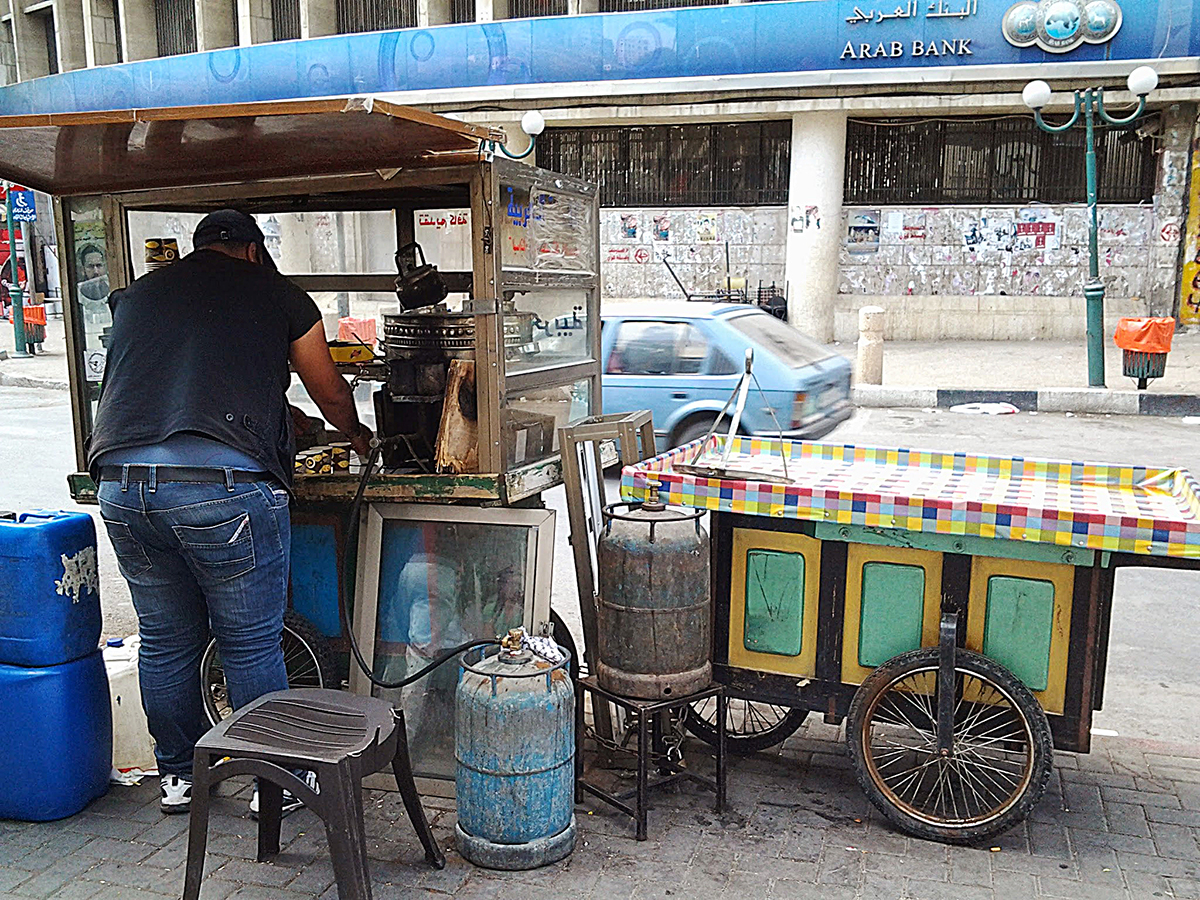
{"x":943,"y":26}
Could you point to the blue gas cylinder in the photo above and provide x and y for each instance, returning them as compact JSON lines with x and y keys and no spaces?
{"x":56,"y":741}
{"x":514,"y":740}
{"x":49,"y":588}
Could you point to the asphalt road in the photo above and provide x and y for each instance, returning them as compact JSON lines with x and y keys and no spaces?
{"x":1154,"y":658}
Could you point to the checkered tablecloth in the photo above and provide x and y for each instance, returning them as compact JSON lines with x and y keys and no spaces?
{"x":1134,"y":509}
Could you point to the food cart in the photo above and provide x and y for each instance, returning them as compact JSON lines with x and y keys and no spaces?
{"x":953,"y":609}
{"x":469,"y":390}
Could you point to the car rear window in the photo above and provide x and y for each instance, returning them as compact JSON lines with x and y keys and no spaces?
{"x":784,"y":341}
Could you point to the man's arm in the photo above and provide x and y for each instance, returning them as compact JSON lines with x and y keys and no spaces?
{"x":328,"y":389}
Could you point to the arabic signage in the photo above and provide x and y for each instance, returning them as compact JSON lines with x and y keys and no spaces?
{"x":693,"y":43}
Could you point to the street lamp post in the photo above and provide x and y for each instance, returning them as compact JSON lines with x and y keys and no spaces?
{"x":1090,"y":103}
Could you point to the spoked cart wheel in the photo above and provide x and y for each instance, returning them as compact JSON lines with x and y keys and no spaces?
{"x":979,"y":775}
{"x":306,"y":656}
{"x":750,"y":726}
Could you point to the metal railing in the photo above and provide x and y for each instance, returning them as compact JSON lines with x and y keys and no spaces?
{"x":1001,"y":160}
{"x":175,"y":26}
{"x":462,"y":11}
{"x":636,"y":5}
{"x":375,"y":15}
{"x":527,"y":9}
{"x":285,"y":20}
{"x":737,"y":164}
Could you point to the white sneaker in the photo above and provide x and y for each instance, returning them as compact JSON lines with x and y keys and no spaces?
{"x":291,"y":802}
{"x":176,"y":794}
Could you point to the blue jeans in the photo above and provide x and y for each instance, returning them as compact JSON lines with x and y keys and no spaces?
{"x":201,"y":559}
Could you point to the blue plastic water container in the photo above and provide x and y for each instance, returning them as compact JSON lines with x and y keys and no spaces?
{"x":56,"y":741}
{"x":49,"y":588}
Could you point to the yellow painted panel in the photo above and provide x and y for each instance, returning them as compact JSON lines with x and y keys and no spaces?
{"x":1062,"y":577}
{"x":745,"y":540}
{"x":858,"y":556}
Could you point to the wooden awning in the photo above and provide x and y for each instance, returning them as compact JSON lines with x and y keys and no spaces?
{"x":192,"y":146}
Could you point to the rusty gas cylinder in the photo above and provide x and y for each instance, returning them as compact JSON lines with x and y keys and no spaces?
{"x":654,"y":608}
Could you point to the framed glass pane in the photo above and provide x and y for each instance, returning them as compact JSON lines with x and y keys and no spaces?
{"x":530,"y":420}
{"x":562,"y":333}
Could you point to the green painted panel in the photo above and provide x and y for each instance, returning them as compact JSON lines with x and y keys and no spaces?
{"x":1017,"y":628}
{"x":893,"y":610}
{"x":774,"y":620}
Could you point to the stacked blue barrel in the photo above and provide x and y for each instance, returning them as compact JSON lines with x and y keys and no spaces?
{"x":56,"y":738}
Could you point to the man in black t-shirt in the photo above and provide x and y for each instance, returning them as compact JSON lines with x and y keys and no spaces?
{"x":192,"y":450}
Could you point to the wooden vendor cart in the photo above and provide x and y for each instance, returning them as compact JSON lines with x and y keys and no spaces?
{"x":470,"y":382}
{"x":952,"y":609}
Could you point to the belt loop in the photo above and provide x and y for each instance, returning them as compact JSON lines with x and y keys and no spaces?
{"x":153,"y":479}
{"x":229,"y":479}
{"x":125,"y":477}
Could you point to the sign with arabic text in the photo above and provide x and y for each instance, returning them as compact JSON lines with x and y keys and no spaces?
{"x":886,"y":44}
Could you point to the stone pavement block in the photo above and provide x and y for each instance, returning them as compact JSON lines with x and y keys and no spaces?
{"x":1082,"y":837}
{"x":1171,"y":773}
{"x":53,"y":877}
{"x":108,"y":848}
{"x":214,"y":889}
{"x":1126,"y":818}
{"x":920,"y":889}
{"x":10,"y":877}
{"x":840,"y":867}
{"x":1189,"y":795}
{"x":880,"y":887}
{"x":164,"y":881}
{"x":796,"y":890}
{"x":313,"y":878}
{"x":263,"y":892}
{"x":1049,"y":839}
{"x":1185,"y":888}
{"x":804,"y":846}
{"x":165,"y":830}
{"x":1157,"y":865}
{"x":1074,"y":890}
{"x":1144,"y":798}
{"x":1188,"y":817}
{"x":268,"y":873}
{"x":899,"y":867}
{"x":970,"y":866}
{"x":1013,"y":885}
{"x":78,"y":889}
{"x":102,"y":826}
{"x":1145,"y":885}
{"x":789,"y":869}
{"x":1102,"y":779}
{"x":125,"y":892}
{"x":1034,"y":865}
{"x":612,"y":887}
{"x":1177,"y":841}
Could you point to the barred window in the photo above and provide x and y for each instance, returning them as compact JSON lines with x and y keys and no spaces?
{"x":1001,"y":160}
{"x":285,"y":20}
{"x":462,"y":11}
{"x":528,"y":9}
{"x":375,"y":15}
{"x":740,"y":164}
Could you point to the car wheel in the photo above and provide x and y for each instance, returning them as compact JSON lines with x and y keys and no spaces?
{"x":692,"y":430}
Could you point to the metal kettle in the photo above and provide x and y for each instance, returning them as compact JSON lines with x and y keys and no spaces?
{"x":420,"y":284}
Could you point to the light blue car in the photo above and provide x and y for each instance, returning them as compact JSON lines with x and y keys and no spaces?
{"x":681,"y":360}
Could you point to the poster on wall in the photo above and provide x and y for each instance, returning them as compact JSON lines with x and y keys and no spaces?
{"x":706,"y":227}
{"x":662,"y":227}
{"x":994,"y":230}
{"x":629,"y":226}
{"x":805,"y":218}
{"x":862,"y":231}
{"x":1189,"y":292}
{"x":1038,"y":229}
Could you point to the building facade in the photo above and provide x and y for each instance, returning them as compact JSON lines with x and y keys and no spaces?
{"x":846,"y":153}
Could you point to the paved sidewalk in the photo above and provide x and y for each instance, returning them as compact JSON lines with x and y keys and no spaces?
{"x":48,"y":369}
{"x":1119,"y":824}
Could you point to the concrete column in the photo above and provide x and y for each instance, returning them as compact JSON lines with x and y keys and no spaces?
{"x":582,"y":7}
{"x":814,"y":220}
{"x":215,"y":25}
{"x":490,"y":10}
{"x":69,"y":35}
{"x":139,"y":40}
{"x":317,"y":18}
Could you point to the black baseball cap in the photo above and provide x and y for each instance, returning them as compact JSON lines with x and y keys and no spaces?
{"x":232,"y":226}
